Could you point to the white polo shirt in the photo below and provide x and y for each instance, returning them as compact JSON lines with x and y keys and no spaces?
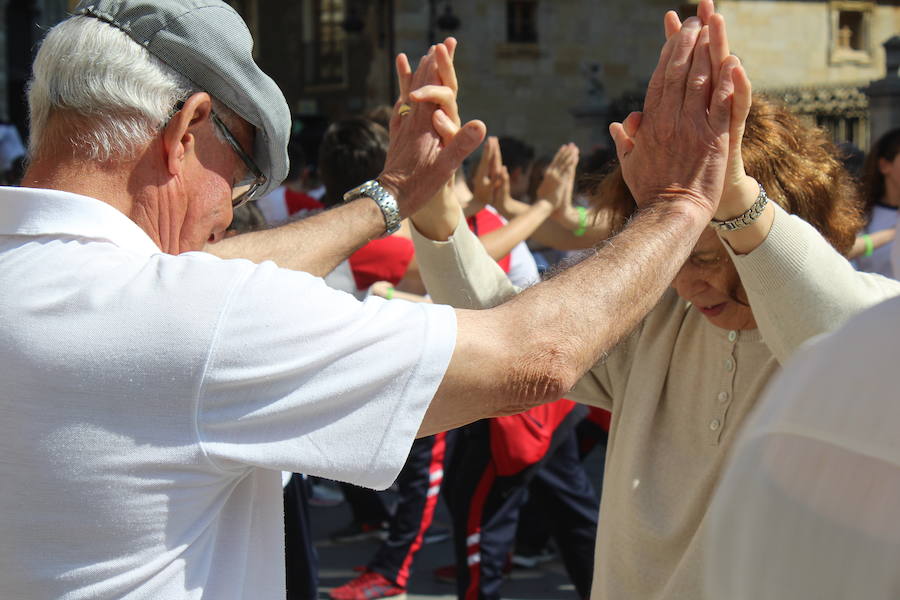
{"x":149,"y":402}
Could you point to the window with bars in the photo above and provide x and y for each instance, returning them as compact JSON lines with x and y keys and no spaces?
{"x":521,"y":21}
{"x":327,"y":64}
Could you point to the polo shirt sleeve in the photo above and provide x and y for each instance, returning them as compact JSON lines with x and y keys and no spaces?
{"x":304,"y":378}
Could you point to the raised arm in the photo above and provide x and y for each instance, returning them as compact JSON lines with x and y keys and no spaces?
{"x":533,"y":348}
{"x":568,"y":227}
{"x":501,"y":241}
{"x":867,"y":242}
{"x":797,"y":284}
{"x":421,"y":157}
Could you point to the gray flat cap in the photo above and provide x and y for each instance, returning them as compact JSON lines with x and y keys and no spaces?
{"x":208,"y":42}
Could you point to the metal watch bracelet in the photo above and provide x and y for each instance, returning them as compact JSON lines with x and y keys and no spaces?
{"x":747,"y":217}
{"x":386,"y":202}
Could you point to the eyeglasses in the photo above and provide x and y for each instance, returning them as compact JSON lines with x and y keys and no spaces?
{"x":248,"y":187}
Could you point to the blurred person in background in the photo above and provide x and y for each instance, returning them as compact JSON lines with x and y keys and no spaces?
{"x":494,"y":460}
{"x":295,"y":197}
{"x":766,"y":279}
{"x":573,"y":225}
{"x":518,"y":158}
{"x":353,"y":151}
{"x":12,"y":154}
{"x":874,"y":249}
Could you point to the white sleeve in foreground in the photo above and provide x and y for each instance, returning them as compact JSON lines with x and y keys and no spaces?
{"x":807,"y":505}
{"x":307,"y":379}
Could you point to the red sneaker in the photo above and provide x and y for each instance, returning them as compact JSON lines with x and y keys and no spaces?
{"x":367,"y":586}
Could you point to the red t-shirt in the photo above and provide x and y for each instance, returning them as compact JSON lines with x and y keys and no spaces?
{"x":484,"y":221}
{"x":382,"y":260}
{"x":300,"y":202}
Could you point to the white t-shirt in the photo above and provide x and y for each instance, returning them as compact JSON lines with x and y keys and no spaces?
{"x":149,"y":402}
{"x":809,"y":506}
{"x":274,"y":206}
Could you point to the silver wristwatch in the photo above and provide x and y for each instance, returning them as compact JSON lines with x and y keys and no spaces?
{"x":747,"y":217}
{"x":383,"y":198}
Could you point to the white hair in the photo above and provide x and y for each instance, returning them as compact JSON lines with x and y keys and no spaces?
{"x":112,"y":96}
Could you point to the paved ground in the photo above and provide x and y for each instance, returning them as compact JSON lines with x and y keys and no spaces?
{"x":337,"y":562}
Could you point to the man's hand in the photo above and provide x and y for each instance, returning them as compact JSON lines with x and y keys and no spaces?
{"x":677,"y":149}
{"x":427,"y":142}
{"x":740,"y":190}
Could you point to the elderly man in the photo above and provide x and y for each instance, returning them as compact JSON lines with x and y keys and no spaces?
{"x":151,"y":392}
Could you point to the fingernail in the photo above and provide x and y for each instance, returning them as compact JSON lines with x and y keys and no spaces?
{"x":692,"y":23}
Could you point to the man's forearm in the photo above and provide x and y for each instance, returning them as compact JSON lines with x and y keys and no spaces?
{"x":591,"y":306}
{"x":536,"y":346}
{"x":316,"y":245}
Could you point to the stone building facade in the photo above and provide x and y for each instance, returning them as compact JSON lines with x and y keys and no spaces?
{"x":550,"y":71}
{"x":547,"y":71}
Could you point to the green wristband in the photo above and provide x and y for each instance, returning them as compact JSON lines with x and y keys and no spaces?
{"x":582,"y":222}
{"x":870,"y":246}
{"x":389,"y":294}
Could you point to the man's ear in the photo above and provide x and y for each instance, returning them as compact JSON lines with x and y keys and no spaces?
{"x":884,"y":166}
{"x":180,"y":133}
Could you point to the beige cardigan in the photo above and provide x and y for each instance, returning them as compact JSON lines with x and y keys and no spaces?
{"x":678,"y":388}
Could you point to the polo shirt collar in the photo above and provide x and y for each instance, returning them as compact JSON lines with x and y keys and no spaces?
{"x":41,"y":212}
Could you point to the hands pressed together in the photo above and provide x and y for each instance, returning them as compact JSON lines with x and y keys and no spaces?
{"x":683,"y":149}
{"x":427,"y":140}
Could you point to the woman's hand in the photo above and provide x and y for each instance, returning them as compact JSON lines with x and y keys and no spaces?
{"x":675,"y":153}
{"x":428,"y":143}
{"x":438,"y":219}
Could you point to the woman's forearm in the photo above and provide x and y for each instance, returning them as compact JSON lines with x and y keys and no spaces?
{"x":500,"y":242}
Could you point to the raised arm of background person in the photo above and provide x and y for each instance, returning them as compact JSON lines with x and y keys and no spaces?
{"x":557,"y":186}
{"x":552,"y":194}
{"x":420,"y":159}
{"x":876,"y":238}
{"x":534,"y":348}
{"x":501,"y":242}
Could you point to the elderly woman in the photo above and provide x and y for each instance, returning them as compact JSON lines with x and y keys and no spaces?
{"x":758,"y":284}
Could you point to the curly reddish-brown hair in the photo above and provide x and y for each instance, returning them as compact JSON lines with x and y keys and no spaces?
{"x":797,"y":165}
